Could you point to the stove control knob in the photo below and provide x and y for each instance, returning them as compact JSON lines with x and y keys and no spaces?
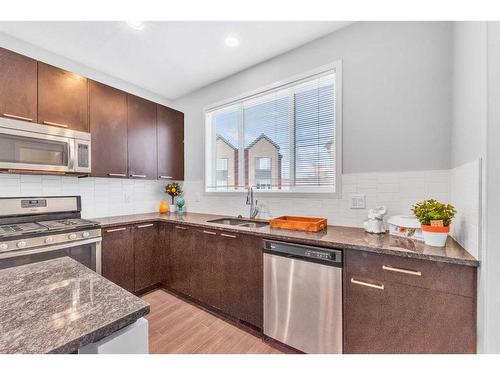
{"x":72,"y":236}
{"x":4,"y":246}
{"x":49,"y":240}
{"x":21,"y":244}
{"x":85,"y":234}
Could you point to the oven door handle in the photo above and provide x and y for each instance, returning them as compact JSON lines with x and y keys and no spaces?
{"x":16,"y":253}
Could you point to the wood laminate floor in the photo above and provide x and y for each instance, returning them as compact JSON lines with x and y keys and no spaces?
{"x":177,"y":327}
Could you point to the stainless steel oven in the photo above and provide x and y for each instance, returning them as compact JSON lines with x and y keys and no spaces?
{"x":34,"y":147}
{"x":86,"y":251}
{"x":34,"y":229}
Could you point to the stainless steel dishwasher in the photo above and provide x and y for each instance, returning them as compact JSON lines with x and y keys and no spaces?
{"x":303,"y":296}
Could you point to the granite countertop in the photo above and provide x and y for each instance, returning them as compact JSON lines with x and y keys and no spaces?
{"x":333,"y":236}
{"x":59,"y":305}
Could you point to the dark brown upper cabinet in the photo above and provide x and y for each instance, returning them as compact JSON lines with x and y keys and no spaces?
{"x":170,"y":143}
{"x":142,"y":140}
{"x":62,"y":98}
{"x":18,"y":86}
{"x":108,"y":126}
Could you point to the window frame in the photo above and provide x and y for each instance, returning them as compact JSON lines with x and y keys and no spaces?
{"x":298,"y":192}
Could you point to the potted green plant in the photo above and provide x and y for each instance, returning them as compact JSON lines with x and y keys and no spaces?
{"x":435,"y":219}
{"x":173,"y":189}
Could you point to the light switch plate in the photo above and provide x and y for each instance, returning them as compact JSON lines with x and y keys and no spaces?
{"x":358,"y":201}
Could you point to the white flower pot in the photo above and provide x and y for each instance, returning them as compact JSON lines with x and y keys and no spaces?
{"x":172,"y":207}
{"x":434,"y":237}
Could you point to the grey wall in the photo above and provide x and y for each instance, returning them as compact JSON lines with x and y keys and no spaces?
{"x":468,"y":139}
{"x":396,"y":94}
{"x":469,"y":92}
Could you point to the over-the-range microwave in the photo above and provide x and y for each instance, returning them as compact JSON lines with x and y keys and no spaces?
{"x":40,"y":148}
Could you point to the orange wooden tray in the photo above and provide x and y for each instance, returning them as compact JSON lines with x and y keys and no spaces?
{"x":305,"y":224}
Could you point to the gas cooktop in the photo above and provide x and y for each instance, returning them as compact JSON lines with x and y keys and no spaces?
{"x":44,"y":227}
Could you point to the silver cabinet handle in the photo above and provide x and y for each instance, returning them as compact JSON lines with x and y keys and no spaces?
{"x":370,"y":285}
{"x":209,"y":232}
{"x":138,"y":175}
{"x":181,"y":228}
{"x":55,"y":124}
{"x":145,"y":226}
{"x":116,"y":230}
{"x":117,"y":175}
{"x":17,"y":117}
{"x":228,"y":235}
{"x":401,"y":270}
{"x":165,"y":177}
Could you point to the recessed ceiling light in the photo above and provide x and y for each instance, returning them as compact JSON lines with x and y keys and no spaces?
{"x":232,"y":41}
{"x":136,"y":25}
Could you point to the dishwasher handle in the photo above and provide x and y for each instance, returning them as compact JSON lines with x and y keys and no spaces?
{"x":331,"y":257}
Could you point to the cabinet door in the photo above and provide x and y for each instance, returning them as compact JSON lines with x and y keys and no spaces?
{"x":180,"y":273}
{"x":164,"y":241}
{"x":118,"y":256}
{"x":108,"y":126}
{"x":242,"y":293}
{"x":62,"y":98}
{"x":146,"y":255}
{"x":208,"y":282}
{"x":384,"y":315}
{"x":407,"y":319}
{"x":142,"y":155}
{"x":18,"y":86}
{"x":364,"y":320}
{"x":170,"y":143}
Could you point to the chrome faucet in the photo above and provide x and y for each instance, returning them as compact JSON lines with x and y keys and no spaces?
{"x":254,"y":210}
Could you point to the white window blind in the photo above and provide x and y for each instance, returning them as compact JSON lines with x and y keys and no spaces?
{"x":281,"y":139}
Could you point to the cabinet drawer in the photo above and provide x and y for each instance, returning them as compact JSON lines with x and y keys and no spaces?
{"x":444,"y":277}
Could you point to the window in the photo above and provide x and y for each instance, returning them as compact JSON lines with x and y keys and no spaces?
{"x":284,"y":138}
{"x":263,"y":173}
{"x":222,"y":175}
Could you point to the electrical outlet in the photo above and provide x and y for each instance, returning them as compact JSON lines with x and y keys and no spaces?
{"x":358,"y":201}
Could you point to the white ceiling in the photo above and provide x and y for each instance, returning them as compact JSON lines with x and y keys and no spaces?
{"x":168,"y":58}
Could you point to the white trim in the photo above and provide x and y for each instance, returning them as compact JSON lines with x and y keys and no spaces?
{"x":323,"y":70}
{"x":278,"y":85}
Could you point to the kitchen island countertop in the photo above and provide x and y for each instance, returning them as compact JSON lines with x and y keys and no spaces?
{"x":59,"y":305}
{"x":333,"y":236}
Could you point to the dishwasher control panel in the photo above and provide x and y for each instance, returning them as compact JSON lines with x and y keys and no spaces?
{"x":319,"y":255}
{"x":304,"y":252}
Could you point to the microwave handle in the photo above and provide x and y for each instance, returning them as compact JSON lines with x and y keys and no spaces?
{"x":72,"y":155}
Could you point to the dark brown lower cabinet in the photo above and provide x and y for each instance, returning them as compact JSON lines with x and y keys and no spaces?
{"x":146,"y":256}
{"x":164,"y":237}
{"x":221,"y":270}
{"x":382,"y":315}
{"x":180,"y":253}
{"x":207,"y":281}
{"x":242,"y":277}
{"x":118,"y":256}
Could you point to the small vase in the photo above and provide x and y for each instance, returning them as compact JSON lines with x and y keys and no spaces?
{"x":435,"y":236}
{"x":172,"y":207}
{"x":163,"y":207}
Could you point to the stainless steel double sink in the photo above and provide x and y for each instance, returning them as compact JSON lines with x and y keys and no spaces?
{"x":239,"y":222}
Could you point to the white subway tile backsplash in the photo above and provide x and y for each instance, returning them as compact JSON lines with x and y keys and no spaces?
{"x":398,"y":191}
{"x":100,"y":196}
